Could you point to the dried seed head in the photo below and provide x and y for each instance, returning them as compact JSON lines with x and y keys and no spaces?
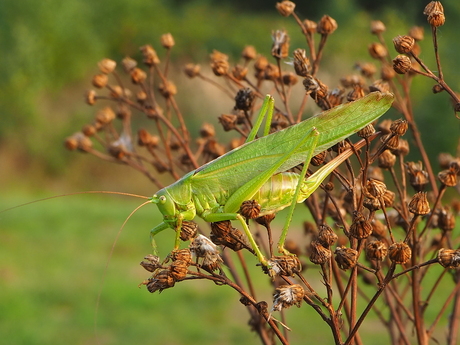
{"x":116,"y":91}
{"x":285,"y":265}
{"x":435,"y":13}
{"x":402,"y":64}
{"x":213,"y":148}
{"x":261,"y":63}
{"x":228,"y":121}
{"x":250,"y":209}
{"x":181,"y":254}
{"x":402,"y":149}
{"x":244,"y":99}
{"x":399,"y":127}
{"x":377,"y":51}
{"x":280,"y":47}
{"x":449,"y":258}
{"x":360,"y":228}
{"x":448,"y":177}
{"x":286,"y":296}
{"x":403,"y":44}
{"x":167,"y":89}
{"x":391,"y":141}
{"x":249,"y":53}
{"x":289,"y":79}
{"x":318,"y":159}
{"x":379,"y":230}
{"x":399,"y":253}
{"x":446,"y":219}
{"x":167,"y":41}
{"x":386,"y":160}
{"x":315,"y":87}
{"x":285,"y":8}
{"x":356,"y":93}
{"x":326,"y":236}
{"x":128,"y":64}
{"x":239,"y":72}
{"x":419,"y":204}
{"x":146,"y":139}
{"x":105,"y":116}
{"x":150,"y":55}
{"x":346,"y":257}
{"x":388,"y":198}
{"x":224,"y":234}
{"x":433,"y":6}
{"x":372,"y":204}
{"x":90,"y":97}
{"x":377,"y":27}
{"x":161,"y":281}
{"x":416,"y":32}
{"x":444,"y":160}
{"x":191,"y":70}
{"x":302,"y":65}
{"x":272,"y":72}
{"x":335,"y":97}
{"x":203,"y":247}
{"x":352,"y":81}
{"x":100,"y":80}
{"x":207,"y":130}
{"x":188,"y":230}
{"x":89,"y":130}
{"x":152,"y":263}
{"x":107,"y":66}
{"x":78,"y":141}
{"x":309,"y":26}
{"x":266,"y":219}
{"x":220,"y":67}
{"x":292,"y":247}
{"x":179,"y":270}
{"x":375,"y":188}
{"x":326,"y":26}
{"x":418,"y":177}
{"x":319,"y":255}
{"x":138,"y":76}
{"x":367,"y":69}
{"x":367,"y":131}
{"x":376,"y":250}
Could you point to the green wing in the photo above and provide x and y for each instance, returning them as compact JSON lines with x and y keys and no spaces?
{"x":235,"y":168}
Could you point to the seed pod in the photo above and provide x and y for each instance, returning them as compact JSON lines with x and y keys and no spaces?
{"x":128,"y":64}
{"x":261,"y":63}
{"x":402,"y":149}
{"x":100,"y":80}
{"x":286,"y":296}
{"x":249,"y":53}
{"x":280,"y":47}
{"x":152,"y":263}
{"x":376,"y":250}
{"x":448,"y":177}
{"x":361,"y":227}
{"x":326,"y":236}
{"x":265,"y":220}
{"x":167,"y":89}
{"x":244,"y":99}
{"x":346,"y":257}
{"x":181,"y":254}
{"x":250,"y":209}
{"x":419,"y":204}
{"x":239,"y":72}
{"x":386,"y":160}
{"x":107,"y":66}
{"x":403,"y":44}
{"x":138,"y":76}
{"x":372,"y":204}
{"x":90,"y":97}
{"x":224,"y":234}
{"x":310,"y":26}
{"x":289,"y":79}
{"x":319,"y":255}
{"x":150,"y":55}
{"x":352,"y":81}
{"x":399,"y":253}
{"x":377,"y":51}
{"x":228,"y":121}
{"x":285,"y":8}
{"x":446,"y":219}
{"x":161,"y":281}
{"x":435,"y":13}
{"x":89,"y":130}
{"x":318,"y":159}
{"x":417,"y":33}
{"x":449,"y":258}
{"x":367,"y":131}
{"x":285,"y":265}
{"x":301,"y":62}
{"x":220,"y":67}
{"x":388,"y":198}
{"x":178,"y":270}
{"x":374,"y":189}
{"x":356,"y":93}
{"x":191,"y":70}
{"x":167,"y":41}
{"x":379,"y":85}
{"x":188,"y":230}
{"x":116,"y":91}
{"x":78,"y":141}
{"x":377,"y":27}
{"x":207,"y":130}
{"x":387,"y":72}
{"x":326,"y":26}
{"x":105,"y":116}
{"x":399,"y":127}
{"x":402,"y":64}
{"x":418,"y":178}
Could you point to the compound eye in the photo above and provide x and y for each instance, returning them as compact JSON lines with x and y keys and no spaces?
{"x":162,"y":199}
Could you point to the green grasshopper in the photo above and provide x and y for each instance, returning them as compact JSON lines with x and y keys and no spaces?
{"x":257,"y":170}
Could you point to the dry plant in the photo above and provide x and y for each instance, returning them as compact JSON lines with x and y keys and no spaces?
{"x":367,"y":239}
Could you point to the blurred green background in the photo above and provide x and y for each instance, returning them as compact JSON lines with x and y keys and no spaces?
{"x":53,"y":253}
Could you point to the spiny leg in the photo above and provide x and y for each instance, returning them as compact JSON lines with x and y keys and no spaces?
{"x":159,"y":228}
{"x":266,"y":110}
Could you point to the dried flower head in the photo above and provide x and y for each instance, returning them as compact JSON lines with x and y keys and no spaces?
{"x":249,"y":53}
{"x":160,"y":281}
{"x":285,"y":8}
{"x":399,"y":127}
{"x":309,"y":26}
{"x":302,"y":65}
{"x":319,"y":255}
{"x":417,"y":176}
{"x":435,"y":13}
{"x":90,"y":97}
{"x":239,"y":72}
{"x":416,"y":32}
{"x":250,"y":209}
{"x":167,"y":89}
{"x":150,"y":55}
{"x":374,"y":188}
{"x":326,"y":236}
{"x":377,"y":51}
{"x":403,"y":44}
{"x":138,"y":76}
{"x":100,"y":80}
{"x":346,"y":257}
{"x":107,"y":66}
{"x":448,"y":177}
{"x":356,"y":93}
{"x":224,"y":234}
{"x":376,"y":250}
{"x":367,"y":131}
{"x":167,"y":41}
{"x":419,"y":204}
{"x":285,"y":265}
{"x":128,"y":64}
{"x":377,"y":27}
{"x":286,"y":296}
{"x":203,"y":247}
{"x":192,"y":70}
{"x":402,"y":64}
{"x":449,"y":258}
{"x":446,"y":219}
{"x":280,"y":47}
{"x":327,"y":25}
{"x":188,"y":230}
{"x":361,"y":227}
{"x":399,"y":253}
{"x":386,"y":159}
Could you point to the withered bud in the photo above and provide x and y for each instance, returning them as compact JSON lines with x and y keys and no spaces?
{"x":386,"y":160}
{"x":367,"y":69}
{"x":372,"y":204}
{"x":107,"y":66}
{"x":249,"y":53}
{"x":285,"y":8}
{"x":346,"y":257}
{"x":104,"y":116}
{"x":167,"y":41}
{"x":360,"y":228}
{"x":213,"y":148}
{"x":116,"y":91}
{"x":239,"y":72}
{"x":448,"y":177}
{"x":188,"y":230}
{"x":419,"y":204}
{"x":399,"y":127}
{"x":203,"y":247}
{"x":374,"y":188}
{"x":167,"y":89}
{"x":244,"y":99}
{"x":403,"y":44}
{"x":319,"y":255}
{"x":388,"y":198}
{"x":286,"y":296}
{"x":375,"y":173}
{"x":223,"y":233}
{"x":399,"y":253}
{"x":228,"y":121}
{"x":138,"y":76}
{"x":433,"y":6}
{"x":89,"y":130}
{"x":302,"y":64}
{"x":90,"y":97}
{"x":181,"y":254}
{"x":207,"y":130}
{"x":250,"y":209}
{"x":326,"y":236}
{"x":352,"y":81}
{"x":284,"y":265}
{"x":150,"y":55}
{"x":220,"y":67}
{"x":326,"y":26}
{"x":387,"y":72}
{"x":100,"y":80}
{"x":265,"y":220}
{"x":446,"y":219}
{"x":418,"y":177}
{"x":310,"y":26}
{"x":449,"y":258}
{"x":366,"y":131}
{"x":402,"y":64}
{"x":289,"y":79}
{"x":261,"y":63}
{"x":356,"y":93}
{"x":161,"y":281}
{"x":280,"y":47}
{"x":128,"y":64}
{"x":402,"y":149}
{"x":436,"y":19}
{"x":78,"y":141}
{"x":376,"y":250}
{"x":179,"y":270}
{"x":315,"y":87}
{"x":377,"y":27}
{"x":377,"y":51}
{"x":391,"y":141}
{"x":417,"y":32}
{"x":335,"y":97}
{"x":141,"y":97}
{"x":192,"y":70}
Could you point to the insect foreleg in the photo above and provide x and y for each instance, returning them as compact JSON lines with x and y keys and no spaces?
{"x":159,"y":228}
{"x":266,"y":108}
